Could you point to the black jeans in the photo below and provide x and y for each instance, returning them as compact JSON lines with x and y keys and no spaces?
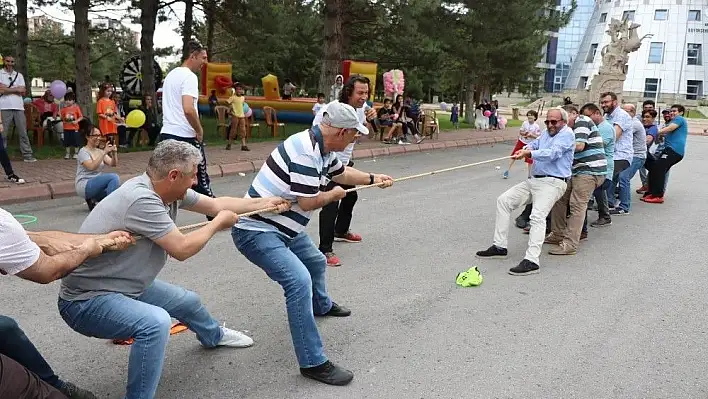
{"x":336,"y":217}
{"x":658,"y":166}
{"x":203,"y":185}
{"x":15,"y":345}
{"x":5,"y":159}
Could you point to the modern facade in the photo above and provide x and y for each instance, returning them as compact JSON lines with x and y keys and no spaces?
{"x":670,"y":64}
{"x":562,"y":48}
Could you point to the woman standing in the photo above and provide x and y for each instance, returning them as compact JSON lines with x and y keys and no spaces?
{"x":91,"y":183}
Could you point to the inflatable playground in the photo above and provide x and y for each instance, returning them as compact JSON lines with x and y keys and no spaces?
{"x":217,"y":77}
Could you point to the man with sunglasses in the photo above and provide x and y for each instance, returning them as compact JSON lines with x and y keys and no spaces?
{"x":12,"y":107}
{"x":336,"y":217}
{"x":552,"y":154}
{"x":279,"y":245}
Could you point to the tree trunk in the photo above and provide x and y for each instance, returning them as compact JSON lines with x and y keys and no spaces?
{"x":210,"y":11}
{"x":187,"y":27}
{"x":83,"y":61}
{"x":469,"y":104}
{"x":22,"y":65}
{"x":148,"y":19}
{"x":333,"y":41}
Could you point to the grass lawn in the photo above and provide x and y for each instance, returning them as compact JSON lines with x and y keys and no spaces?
{"x":54,"y":150}
{"x":694,"y":113}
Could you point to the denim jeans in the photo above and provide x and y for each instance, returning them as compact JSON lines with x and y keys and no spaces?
{"x":100,"y":186}
{"x":146,"y":319}
{"x":15,"y":345}
{"x":299,"y":267}
{"x":625,"y":182}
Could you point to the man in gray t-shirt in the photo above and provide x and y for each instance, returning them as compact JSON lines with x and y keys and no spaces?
{"x":117,"y":295}
{"x":639,"y":145}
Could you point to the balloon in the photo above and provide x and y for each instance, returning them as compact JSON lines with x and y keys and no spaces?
{"x":487,"y":113}
{"x":58,"y":89}
{"x":135,"y":119}
{"x":249,"y":113}
{"x":246,"y":108}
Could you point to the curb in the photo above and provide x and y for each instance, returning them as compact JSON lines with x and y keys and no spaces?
{"x":63,"y":189}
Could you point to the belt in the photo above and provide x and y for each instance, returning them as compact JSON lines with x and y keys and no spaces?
{"x":565,"y":179}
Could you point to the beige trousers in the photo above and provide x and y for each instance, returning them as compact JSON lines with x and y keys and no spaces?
{"x":576,"y":197}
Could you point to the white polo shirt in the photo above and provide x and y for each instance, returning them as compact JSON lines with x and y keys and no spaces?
{"x":11,"y":101}
{"x":17,"y":251}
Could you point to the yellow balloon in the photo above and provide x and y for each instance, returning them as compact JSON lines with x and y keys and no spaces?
{"x":135,"y":119}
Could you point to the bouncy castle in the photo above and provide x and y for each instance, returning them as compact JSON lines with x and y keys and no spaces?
{"x":217,"y":77}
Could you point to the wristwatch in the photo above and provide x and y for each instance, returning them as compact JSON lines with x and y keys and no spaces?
{"x":371,"y":178}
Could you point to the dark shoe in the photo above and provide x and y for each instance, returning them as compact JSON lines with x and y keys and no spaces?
{"x":71,"y":391}
{"x":91,"y":204}
{"x":601,"y":223}
{"x":338,"y":311}
{"x":228,"y":147}
{"x":329,"y":373}
{"x":524,"y":268}
{"x":245,"y":148}
{"x":521,"y":221}
{"x":492,"y":252}
{"x":584,"y":235}
{"x":619,"y":211}
{"x":15,"y":179}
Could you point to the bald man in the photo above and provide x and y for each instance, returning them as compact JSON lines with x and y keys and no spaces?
{"x":552,"y":154}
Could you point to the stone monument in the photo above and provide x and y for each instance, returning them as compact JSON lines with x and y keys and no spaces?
{"x":615,"y":55}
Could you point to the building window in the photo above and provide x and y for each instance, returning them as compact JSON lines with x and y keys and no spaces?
{"x":583,"y":83}
{"x":591,"y":53}
{"x":661,"y":15}
{"x":694,"y":15}
{"x":651,"y":87}
{"x":694,"y":56}
{"x":603,"y":17}
{"x":628,"y":15}
{"x":694,"y":89}
{"x":656,"y":53}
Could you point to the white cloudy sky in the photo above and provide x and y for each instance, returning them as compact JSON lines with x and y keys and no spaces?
{"x":165,"y":35}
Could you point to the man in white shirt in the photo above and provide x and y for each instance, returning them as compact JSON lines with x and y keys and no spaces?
{"x":41,"y":257}
{"x":180,"y":117}
{"x":336,"y":217}
{"x":12,"y":107}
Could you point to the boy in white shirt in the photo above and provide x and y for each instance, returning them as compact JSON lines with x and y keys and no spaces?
{"x":529,"y":132}
{"x":319,"y":104}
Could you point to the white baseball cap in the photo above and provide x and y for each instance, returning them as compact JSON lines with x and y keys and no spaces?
{"x":344,"y":116}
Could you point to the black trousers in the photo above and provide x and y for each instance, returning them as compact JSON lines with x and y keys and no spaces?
{"x":5,"y":159}
{"x":658,"y":166}
{"x":336,"y":217}
{"x":203,"y":185}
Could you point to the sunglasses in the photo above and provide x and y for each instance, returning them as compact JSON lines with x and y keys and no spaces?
{"x":551,"y":122}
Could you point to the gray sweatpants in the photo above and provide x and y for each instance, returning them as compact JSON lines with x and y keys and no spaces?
{"x":17,"y":118}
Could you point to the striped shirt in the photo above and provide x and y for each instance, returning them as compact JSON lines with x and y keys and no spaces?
{"x":296,"y":168}
{"x":592,"y":160}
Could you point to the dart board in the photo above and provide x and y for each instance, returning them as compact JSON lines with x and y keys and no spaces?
{"x":131,"y":77}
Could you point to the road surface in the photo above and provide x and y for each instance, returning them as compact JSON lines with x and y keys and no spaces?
{"x":624,"y":318}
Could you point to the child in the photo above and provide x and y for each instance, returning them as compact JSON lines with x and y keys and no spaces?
{"x":107,"y":111}
{"x":455,"y":116}
{"x":529,"y":132}
{"x":318,"y":105}
{"x":238,"y":117}
{"x":71,"y":116}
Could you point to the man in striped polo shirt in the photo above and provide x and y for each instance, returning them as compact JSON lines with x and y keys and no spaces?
{"x":277,"y":243}
{"x":589,"y":170}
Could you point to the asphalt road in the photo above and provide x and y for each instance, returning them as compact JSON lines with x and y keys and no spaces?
{"x":624,"y":318}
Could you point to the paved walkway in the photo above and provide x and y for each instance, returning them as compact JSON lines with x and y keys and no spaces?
{"x":54,"y":178}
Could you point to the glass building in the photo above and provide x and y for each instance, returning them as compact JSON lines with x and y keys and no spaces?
{"x":563,"y":46}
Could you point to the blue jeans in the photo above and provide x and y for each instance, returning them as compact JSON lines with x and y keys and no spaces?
{"x":299,"y":267}
{"x":15,"y":345}
{"x":146,"y":319}
{"x":100,"y":186}
{"x":625,"y":182}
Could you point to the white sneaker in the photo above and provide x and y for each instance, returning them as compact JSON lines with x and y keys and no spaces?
{"x":235,"y":339}
{"x":67,"y":156}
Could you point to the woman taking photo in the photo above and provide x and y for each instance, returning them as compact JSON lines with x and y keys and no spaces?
{"x":91,"y":183}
